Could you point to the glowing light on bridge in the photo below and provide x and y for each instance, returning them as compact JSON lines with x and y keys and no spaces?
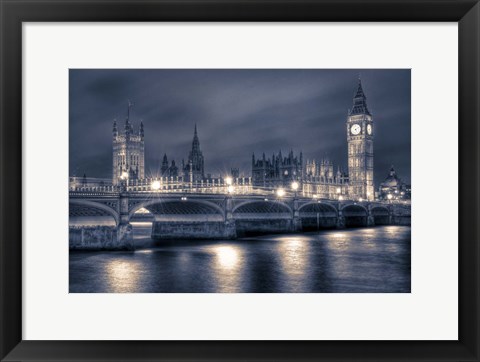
{"x":340,"y":197}
{"x":295,"y":185}
{"x":228,"y":180}
{"x":183,"y":198}
{"x":360,"y":199}
{"x":389,"y":196}
{"x":280,"y":192}
{"x":155,"y":185}
{"x":230,"y":189}
{"x":339,"y":190}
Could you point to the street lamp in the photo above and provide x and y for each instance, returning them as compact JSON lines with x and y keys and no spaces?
{"x":155,"y":185}
{"x":228,"y":180}
{"x":230,"y":189}
{"x":280,"y":192}
{"x":295,"y":187}
{"x":124,"y":177}
{"x":389,"y":197}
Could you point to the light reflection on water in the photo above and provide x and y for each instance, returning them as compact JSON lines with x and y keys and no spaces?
{"x":121,"y":275}
{"x":352,"y":260}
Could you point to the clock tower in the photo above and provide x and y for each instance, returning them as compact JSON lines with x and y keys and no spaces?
{"x":360,"y":148}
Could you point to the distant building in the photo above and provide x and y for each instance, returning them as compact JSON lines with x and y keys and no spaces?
{"x":360,"y":148}
{"x":278,"y":171}
{"x":395,"y":187}
{"x":193,"y":170}
{"x":168,"y":170}
{"x":321,"y":181}
{"x":128,"y":152}
{"x":78,"y":183}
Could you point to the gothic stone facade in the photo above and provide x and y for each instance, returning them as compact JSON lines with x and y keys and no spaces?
{"x":360,"y":148}
{"x":128,"y":152}
{"x":277,"y":171}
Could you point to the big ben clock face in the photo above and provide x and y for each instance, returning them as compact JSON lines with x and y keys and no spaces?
{"x":369,"y":129}
{"x":355,"y":129}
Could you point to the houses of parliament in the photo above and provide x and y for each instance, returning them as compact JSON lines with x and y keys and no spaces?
{"x":315,"y":177}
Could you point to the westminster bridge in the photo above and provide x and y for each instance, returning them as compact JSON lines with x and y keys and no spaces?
{"x":100,"y":218}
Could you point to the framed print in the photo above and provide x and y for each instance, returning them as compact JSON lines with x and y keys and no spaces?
{"x":239,"y":181}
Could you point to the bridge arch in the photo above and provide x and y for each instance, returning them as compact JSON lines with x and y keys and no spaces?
{"x":256,"y":217}
{"x":355,"y":215}
{"x":262,"y":206}
{"x":187,"y":207}
{"x":318,"y":215}
{"x":90,"y":210}
{"x":320,"y":206}
{"x":381,"y":215}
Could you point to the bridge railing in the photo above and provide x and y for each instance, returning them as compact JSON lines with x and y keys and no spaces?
{"x":237,"y":186}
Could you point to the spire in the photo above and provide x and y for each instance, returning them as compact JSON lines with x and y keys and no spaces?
{"x":115,"y":130}
{"x":196,"y":141}
{"x":164,"y":168}
{"x":141,"y":132}
{"x":359,"y":101}
{"x":392,"y":172}
{"x":130,"y":105}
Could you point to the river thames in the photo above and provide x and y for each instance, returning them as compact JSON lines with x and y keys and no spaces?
{"x":364,"y":260}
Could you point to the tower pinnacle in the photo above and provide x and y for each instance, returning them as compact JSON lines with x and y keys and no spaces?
{"x":359,"y":101}
{"x":130,"y":105}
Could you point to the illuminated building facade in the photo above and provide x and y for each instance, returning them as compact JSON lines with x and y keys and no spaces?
{"x":277,"y":171}
{"x":360,"y":148}
{"x":393,"y":188}
{"x":128,"y":152}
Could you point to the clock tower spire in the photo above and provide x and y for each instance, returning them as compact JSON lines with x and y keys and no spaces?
{"x":360,"y":147}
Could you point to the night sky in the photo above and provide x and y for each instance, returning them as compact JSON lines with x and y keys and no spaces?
{"x":237,"y":112}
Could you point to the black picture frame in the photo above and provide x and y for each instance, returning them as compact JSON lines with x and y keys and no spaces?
{"x":14,"y":12}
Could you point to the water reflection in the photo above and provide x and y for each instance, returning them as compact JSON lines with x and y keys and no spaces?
{"x":122,"y":275}
{"x":351,"y":260}
{"x":294,"y":254}
{"x":228,"y":268}
{"x":227,"y":257}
